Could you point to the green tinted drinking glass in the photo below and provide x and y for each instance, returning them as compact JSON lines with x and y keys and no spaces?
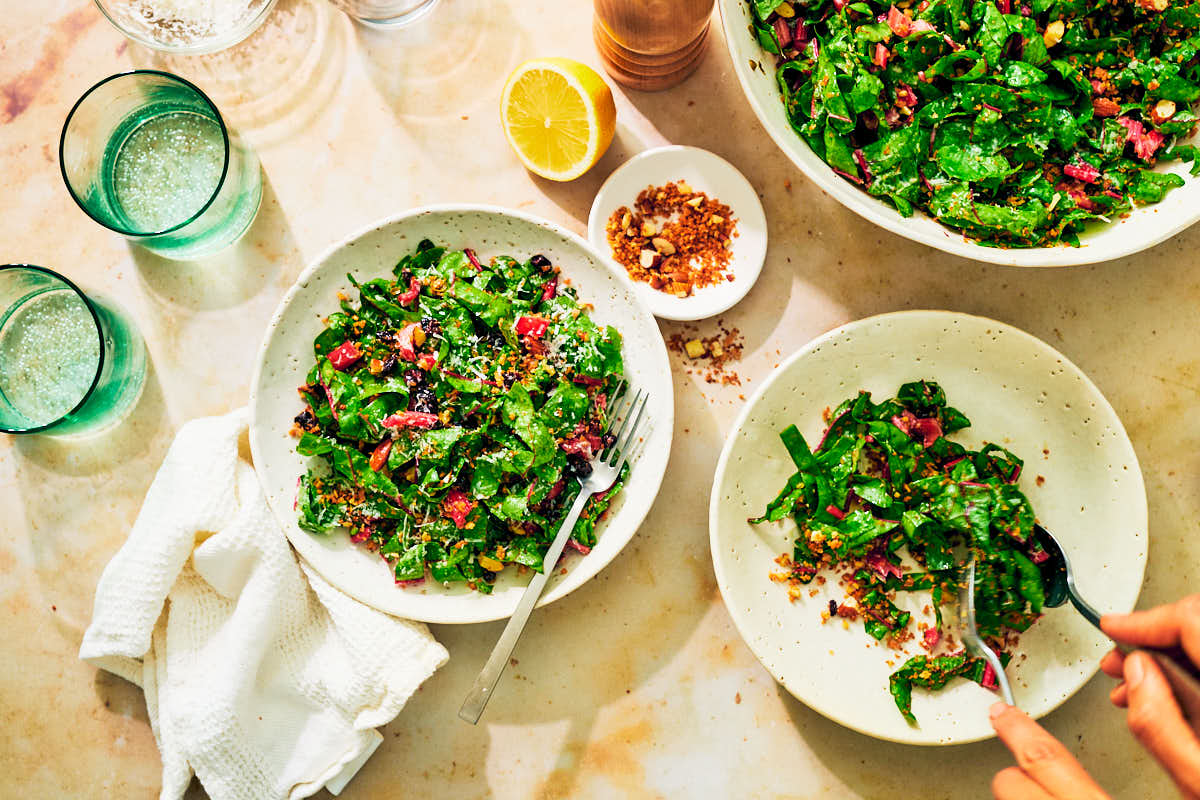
{"x":147,"y":154}
{"x":69,"y":363}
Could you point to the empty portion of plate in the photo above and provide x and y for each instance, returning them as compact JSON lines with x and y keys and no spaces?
{"x":1081,"y":475}
{"x":287,"y":354}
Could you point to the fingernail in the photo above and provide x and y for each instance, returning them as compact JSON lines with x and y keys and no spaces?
{"x":1134,"y":670}
{"x":997,"y":709}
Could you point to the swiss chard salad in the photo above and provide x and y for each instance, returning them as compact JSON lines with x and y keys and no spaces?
{"x":450,"y":411}
{"x":1015,"y":122}
{"x":885,"y":481}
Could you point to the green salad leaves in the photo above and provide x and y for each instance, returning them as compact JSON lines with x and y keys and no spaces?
{"x":450,"y":412}
{"x":1016,"y":122}
{"x":885,"y":481}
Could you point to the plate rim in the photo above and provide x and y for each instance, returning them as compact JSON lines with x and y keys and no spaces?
{"x":744,"y":415}
{"x":870,"y":208}
{"x":327,"y":252}
{"x":647,"y":295}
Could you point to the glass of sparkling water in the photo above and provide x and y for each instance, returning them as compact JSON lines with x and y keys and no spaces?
{"x":147,"y":154}
{"x":69,"y":363}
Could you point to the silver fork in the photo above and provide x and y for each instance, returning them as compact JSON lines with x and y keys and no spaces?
{"x":970,"y":633}
{"x":606,"y":466}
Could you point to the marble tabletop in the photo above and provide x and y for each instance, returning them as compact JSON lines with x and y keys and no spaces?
{"x":636,"y":685}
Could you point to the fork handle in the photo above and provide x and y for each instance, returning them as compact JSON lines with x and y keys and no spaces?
{"x":489,"y":676}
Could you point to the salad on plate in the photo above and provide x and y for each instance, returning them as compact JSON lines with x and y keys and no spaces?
{"x":449,"y":411}
{"x":886,"y":503}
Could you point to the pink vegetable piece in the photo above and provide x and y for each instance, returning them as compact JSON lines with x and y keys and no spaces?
{"x":834,"y":511}
{"x":532,"y":326}
{"x":414,"y":290}
{"x":882,"y":54}
{"x":405,"y":345}
{"x":457,"y":506}
{"x":1076,"y":193}
{"x":474,"y":261}
{"x":932,"y":637}
{"x":329,"y":397}
{"x":583,"y":444}
{"x":582,"y":549}
{"x":782,"y":32}
{"x":905,"y":421}
{"x":989,"y":677}
{"x":549,"y":290}
{"x":1083,"y":171}
{"x":344,"y":356}
{"x":410,"y":419}
{"x":1144,"y":142}
{"x":900,"y":24}
{"x":882,"y":566}
{"x":929,"y":429}
{"x":862,"y":164}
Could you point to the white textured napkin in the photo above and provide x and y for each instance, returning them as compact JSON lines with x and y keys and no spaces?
{"x":259,"y":676}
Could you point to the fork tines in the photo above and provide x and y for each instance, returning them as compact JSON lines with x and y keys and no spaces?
{"x":625,"y":435}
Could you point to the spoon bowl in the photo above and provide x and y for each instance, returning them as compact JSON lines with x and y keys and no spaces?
{"x":1058,"y":582}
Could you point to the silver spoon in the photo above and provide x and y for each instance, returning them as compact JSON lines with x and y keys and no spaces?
{"x":1058,"y":585}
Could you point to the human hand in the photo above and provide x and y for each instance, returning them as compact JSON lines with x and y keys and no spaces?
{"x":1154,"y":716}
{"x":1045,"y":769}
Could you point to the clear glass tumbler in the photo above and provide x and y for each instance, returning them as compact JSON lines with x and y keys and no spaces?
{"x":385,"y":14}
{"x":147,"y":154}
{"x":69,"y":363}
{"x":186,"y":29}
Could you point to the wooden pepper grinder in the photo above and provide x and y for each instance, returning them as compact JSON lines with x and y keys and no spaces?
{"x":651,"y":44}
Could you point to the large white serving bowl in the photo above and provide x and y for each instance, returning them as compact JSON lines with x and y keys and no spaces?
{"x":287,"y":355}
{"x":1081,"y":475}
{"x":1143,"y":228}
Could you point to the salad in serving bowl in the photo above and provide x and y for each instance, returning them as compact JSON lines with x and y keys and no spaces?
{"x":1030,"y":133}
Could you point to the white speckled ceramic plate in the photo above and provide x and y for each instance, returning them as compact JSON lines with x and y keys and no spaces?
{"x":1144,"y":227}
{"x":705,"y":172}
{"x":287,"y":355}
{"x":1017,"y":391}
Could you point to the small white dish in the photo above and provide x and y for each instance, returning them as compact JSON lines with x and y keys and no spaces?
{"x":705,"y":172}
{"x":1081,"y":474}
{"x":287,"y":354}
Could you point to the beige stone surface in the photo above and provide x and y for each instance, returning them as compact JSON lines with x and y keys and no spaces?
{"x":636,"y":685}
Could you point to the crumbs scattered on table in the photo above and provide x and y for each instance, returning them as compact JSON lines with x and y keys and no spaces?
{"x":1041,"y":481}
{"x":737,"y":698}
{"x":711,"y":355}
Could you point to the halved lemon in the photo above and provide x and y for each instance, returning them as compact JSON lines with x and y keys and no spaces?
{"x":558,"y":116}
